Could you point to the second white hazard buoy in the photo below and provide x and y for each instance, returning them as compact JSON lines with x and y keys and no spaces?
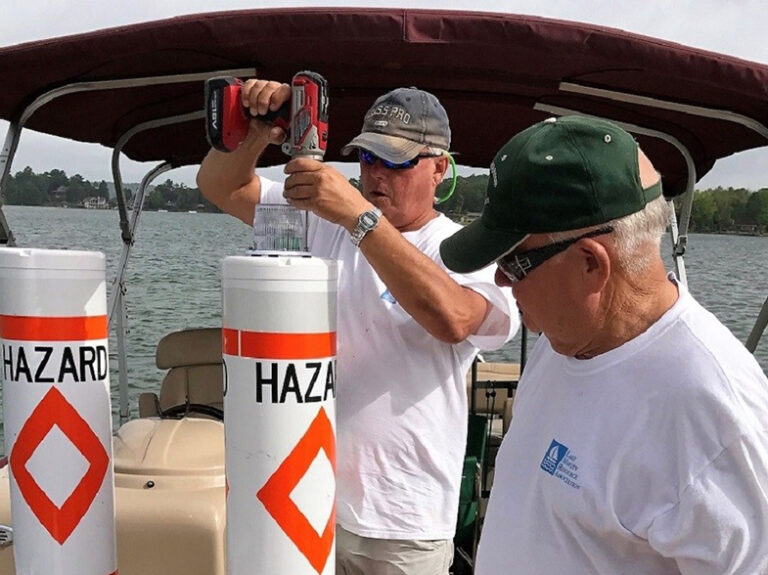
{"x":279,"y":345}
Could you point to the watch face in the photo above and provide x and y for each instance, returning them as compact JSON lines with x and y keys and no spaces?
{"x":368,"y":220}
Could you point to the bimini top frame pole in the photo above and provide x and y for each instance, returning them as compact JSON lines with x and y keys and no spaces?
{"x":685,"y":214}
{"x":701,"y":111}
{"x":117,"y":291}
{"x":6,"y":157}
{"x":130,"y":226}
{"x":14,"y":132}
{"x":128,"y":229}
{"x":678,"y":241}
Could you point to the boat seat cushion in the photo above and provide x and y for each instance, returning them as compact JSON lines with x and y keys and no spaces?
{"x":196,"y":384}
{"x":194,"y":363}
{"x":189,"y":347}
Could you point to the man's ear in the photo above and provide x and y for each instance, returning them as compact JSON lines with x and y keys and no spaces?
{"x":441,"y":167}
{"x":596,"y":264}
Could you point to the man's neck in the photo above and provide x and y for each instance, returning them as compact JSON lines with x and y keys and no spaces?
{"x":419,"y":222}
{"x":634,"y":303}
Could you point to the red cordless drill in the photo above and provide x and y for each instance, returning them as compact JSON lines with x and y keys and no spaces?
{"x":305,"y":118}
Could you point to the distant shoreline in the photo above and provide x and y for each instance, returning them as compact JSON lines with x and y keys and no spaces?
{"x":458,"y":218}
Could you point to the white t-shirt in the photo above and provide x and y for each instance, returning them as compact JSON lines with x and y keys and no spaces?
{"x":401,"y":405}
{"x":649,"y":459}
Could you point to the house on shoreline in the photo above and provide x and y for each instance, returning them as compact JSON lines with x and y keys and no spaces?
{"x":95,"y":203}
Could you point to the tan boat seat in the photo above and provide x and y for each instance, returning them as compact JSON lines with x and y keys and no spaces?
{"x":493,"y":398}
{"x":193,"y":360}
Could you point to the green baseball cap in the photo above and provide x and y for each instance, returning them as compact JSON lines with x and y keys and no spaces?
{"x":561,"y":174}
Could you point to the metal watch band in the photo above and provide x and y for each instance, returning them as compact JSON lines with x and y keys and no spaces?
{"x":366,"y":222}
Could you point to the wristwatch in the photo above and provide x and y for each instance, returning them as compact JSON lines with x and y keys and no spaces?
{"x":367,"y":222}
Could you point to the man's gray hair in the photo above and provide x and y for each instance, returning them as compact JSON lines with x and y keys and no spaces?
{"x":636,"y":237}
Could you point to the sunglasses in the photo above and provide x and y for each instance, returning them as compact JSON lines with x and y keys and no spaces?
{"x":517,"y":266}
{"x":369,"y":158}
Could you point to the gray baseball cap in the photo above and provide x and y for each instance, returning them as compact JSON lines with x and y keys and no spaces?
{"x":401,"y":123}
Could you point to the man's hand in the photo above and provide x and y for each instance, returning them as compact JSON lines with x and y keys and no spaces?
{"x":323,"y":190}
{"x":228,"y":180}
{"x":261,"y":97}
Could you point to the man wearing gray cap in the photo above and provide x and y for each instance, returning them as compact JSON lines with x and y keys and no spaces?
{"x":407,"y":328}
{"x":639,"y":436}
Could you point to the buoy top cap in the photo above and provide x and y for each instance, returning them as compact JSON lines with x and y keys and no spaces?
{"x":46,"y":259}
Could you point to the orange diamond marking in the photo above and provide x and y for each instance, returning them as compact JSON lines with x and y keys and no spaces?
{"x":52,"y":410}
{"x":275,"y":495}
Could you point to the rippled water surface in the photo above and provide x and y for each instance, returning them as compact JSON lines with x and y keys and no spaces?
{"x":174,"y":275}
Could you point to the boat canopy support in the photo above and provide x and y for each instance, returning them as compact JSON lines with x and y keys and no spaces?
{"x":759,"y":328}
{"x":129,"y":226}
{"x":679,"y":243}
{"x":679,"y":240}
{"x":117,"y":294}
{"x":725,"y":115}
{"x":118,"y":288}
{"x":6,"y":157}
{"x":16,"y":127}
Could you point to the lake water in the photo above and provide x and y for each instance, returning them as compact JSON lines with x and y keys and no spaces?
{"x":173,"y":275}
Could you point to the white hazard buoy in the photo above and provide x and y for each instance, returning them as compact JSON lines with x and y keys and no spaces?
{"x":279,"y":332}
{"x":57,"y":415}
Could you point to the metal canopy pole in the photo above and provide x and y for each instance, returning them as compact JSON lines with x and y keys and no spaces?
{"x":14,"y":131}
{"x":725,"y":115}
{"x":118,"y":293}
{"x":679,"y":238}
{"x":6,"y":158}
{"x":129,"y":227}
{"x":666,"y":105}
{"x":127,"y":83}
{"x":759,"y":328}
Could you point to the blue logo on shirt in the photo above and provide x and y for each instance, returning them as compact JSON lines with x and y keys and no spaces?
{"x":387,"y":296}
{"x":560,"y":462}
{"x":553,"y":457}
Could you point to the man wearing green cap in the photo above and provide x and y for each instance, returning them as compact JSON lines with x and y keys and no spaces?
{"x":407,"y":328}
{"x":639,"y":437}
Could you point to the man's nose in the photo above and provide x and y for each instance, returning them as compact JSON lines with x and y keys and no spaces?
{"x":378,"y":170}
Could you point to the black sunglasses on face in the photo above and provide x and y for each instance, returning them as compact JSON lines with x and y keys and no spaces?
{"x":369,"y":158}
{"x":517,"y":266}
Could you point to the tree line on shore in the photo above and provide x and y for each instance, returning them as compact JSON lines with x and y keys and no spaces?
{"x":714,"y":210}
{"x":26,"y":188}
{"x":55,"y":188}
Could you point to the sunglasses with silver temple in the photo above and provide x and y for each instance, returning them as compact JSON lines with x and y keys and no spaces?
{"x":517,"y":266}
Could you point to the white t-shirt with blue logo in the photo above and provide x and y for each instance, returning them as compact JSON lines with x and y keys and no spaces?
{"x":401,"y":404}
{"x":649,"y":459}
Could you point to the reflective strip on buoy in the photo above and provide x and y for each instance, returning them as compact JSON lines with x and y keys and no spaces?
{"x":57,"y":412}
{"x":279,"y":345}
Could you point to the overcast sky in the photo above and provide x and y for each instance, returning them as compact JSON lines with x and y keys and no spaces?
{"x":734,"y":27}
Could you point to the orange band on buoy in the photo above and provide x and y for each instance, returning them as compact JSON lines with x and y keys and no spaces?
{"x":29,"y":328}
{"x":265,"y":345}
